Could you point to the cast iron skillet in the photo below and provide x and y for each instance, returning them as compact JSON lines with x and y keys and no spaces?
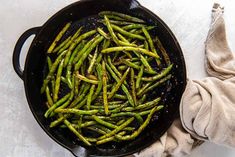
{"x":32,"y":75}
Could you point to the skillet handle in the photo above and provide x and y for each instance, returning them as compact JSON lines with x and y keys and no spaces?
{"x":80,"y":152}
{"x":18,"y":47}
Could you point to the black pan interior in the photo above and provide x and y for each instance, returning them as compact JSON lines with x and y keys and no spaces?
{"x":78,"y":13}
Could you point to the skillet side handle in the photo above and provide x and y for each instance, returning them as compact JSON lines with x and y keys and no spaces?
{"x":18,"y":47}
{"x":80,"y":152}
{"x":131,"y":3}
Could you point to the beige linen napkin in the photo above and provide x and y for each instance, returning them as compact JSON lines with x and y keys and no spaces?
{"x":207,"y":109}
{"x":208,"y":106}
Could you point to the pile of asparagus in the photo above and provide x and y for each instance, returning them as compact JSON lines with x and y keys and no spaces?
{"x":110,"y":71}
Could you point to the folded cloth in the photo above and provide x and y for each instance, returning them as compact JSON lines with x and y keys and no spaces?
{"x":208,"y":106}
{"x":207,"y":109}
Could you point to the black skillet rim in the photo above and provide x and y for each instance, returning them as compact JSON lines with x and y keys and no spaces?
{"x":56,"y":14}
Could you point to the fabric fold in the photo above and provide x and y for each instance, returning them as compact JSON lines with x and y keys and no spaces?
{"x":207,"y":106}
{"x":220,"y":60}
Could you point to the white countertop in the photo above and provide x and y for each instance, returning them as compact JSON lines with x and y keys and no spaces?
{"x":21,"y":136}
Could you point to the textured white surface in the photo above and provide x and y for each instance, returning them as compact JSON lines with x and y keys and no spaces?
{"x":21,"y":136}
